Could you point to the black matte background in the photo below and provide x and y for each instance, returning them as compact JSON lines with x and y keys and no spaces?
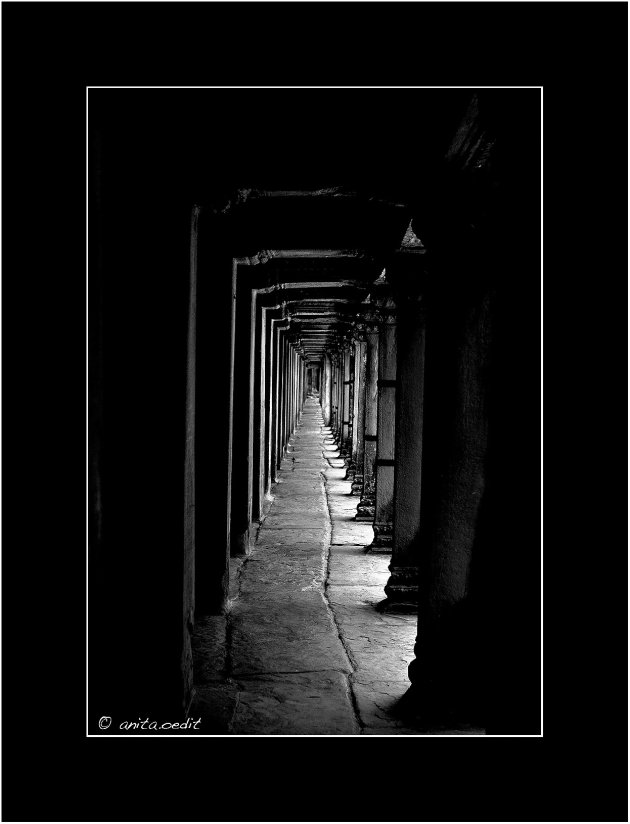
{"x":578,"y":51}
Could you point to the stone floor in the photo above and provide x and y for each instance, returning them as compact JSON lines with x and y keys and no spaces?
{"x":302,"y":650}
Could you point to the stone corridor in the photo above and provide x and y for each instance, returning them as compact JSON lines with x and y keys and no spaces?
{"x":311,"y":512}
{"x":302,"y":649}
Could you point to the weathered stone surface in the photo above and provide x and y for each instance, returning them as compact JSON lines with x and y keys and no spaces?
{"x":282,"y":634}
{"x":215,"y":705}
{"x":288,"y":537}
{"x":209,"y":645}
{"x":351,"y":532}
{"x":350,"y":566}
{"x":375,"y":702}
{"x":314,"y":703}
{"x":304,"y":649}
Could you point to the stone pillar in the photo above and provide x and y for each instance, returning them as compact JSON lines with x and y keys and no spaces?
{"x":281,"y":398}
{"x":243,"y":415}
{"x":358,"y":431}
{"x":346,"y":422}
{"x":352,"y":412}
{"x":291,"y":408}
{"x":340,"y":393}
{"x":402,"y":587}
{"x":273,"y":402}
{"x":259,"y":411}
{"x":285,"y":396}
{"x":299,"y":386}
{"x":296,"y":387}
{"x":298,"y":371}
{"x":386,"y":427}
{"x":322,"y":396}
{"x":340,"y":398}
{"x":327,"y":390}
{"x":267,"y":399}
{"x":280,"y":327}
{"x":448,"y":666}
{"x":365,"y":508}
{"x":335,"y":395}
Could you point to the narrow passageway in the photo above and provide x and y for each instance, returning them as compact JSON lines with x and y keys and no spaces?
{"x":345,"y":374}
{"x":305,"y":651}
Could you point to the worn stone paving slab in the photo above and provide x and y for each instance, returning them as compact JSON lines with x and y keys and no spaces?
{"x":352,"y":533}
{"x":376,"y":701}
{"x":350,"y":565}
{"x":281,"y":577}
{"x":215,"y":705}
{"x":304,"y":506}
{"x":305,"y":651}
{"x":287,"y":635}
{"x":292,"y":520}
{"x":277,"y":535}
{"x":281,"y":550}
{"x":314,"y":703}
{"x":379,"y":644}
{"x":209,"y":645}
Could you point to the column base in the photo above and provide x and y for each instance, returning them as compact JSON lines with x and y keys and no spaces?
{"x":383,"y":538}
{"x":351,"y":471}
{"x":239,"y":545}
{"x":397,"y":607}
{"x":357,"y":485}
{"x":402,"y":589}
{"x":365,"y":510}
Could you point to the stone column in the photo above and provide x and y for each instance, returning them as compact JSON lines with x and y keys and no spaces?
{"x":365,"y":508}
{"x":402,"y":587}
{"x":285,"y":396}
{"x":334,"y":358}
{"x":386,"y":427}
{"x":280,"y":327}
{"x":346,"y":422}
{"x":243,"y":415}
{"x":282,"y":367}
{"x":448,"y":666}
{"x":291,"y":408}
{"x":259,"y":410}
{"x":300,"y":385}
{"x":323,"y":395}
{"x":358,"y":431}
{"x":328,"y":395}
{"x":271,"y":316}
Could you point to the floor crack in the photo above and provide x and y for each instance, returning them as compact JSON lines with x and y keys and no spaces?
{"x":324,"y":592}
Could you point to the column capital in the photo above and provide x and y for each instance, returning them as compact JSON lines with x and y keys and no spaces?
{"x":359,"y":329}
{"x":385,"y":311}
{"x":368,"y":320}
